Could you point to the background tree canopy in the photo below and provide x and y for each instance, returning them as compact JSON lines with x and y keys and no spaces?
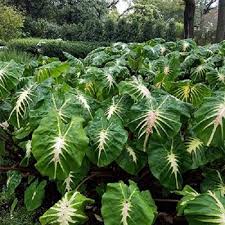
{"x":100,"y":20}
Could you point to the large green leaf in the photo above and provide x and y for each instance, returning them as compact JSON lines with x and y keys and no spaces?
{"x":198,"y":74}
{"x":167,"y":162}
{"x":10,"y":73}
{"x":107,"y":139}
{"x":135,"y":88}
{"x":53,"y":69}
{"x":131,"y":159}
{"x":214,"y":180}
{"x":201,"y":154}
{"x":126,"y":205}
{"x":206,"y":209}
{"x":34,"y":195}
{"x":67,"y":211}
{"x":167,"y":70}
{"x":74,"y":178}
{"x":58,"y":147}
{"x":209,"y":118}
{"x":158,"y":118}
{"x":216,"y":77}
{"x":186,"y":91}
{"x":188,"y":194}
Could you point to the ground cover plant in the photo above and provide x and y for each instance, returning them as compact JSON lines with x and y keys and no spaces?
{"x":133,"y":135}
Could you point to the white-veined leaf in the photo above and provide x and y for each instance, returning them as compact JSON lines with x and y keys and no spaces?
{"x":23,"y":100}
{"x":130,"y":206}
{"x":188,"y":92}
{"x":188,"y":194}
{"x":214,"y":180}
{"x":135,"y":88}
{"x":210,"y":125}
{"x":34,"y":195}
{"x":155,"y":117}
{"x":74,"y":178}
{"x":107,"y":139}
{"x":131,"y":159}
{"x":10,"y":74}
{"x":58,"y":147}
{"x":67,"y":211}
{"x":199,"y":153}
{"x":167,"y":162}
{"x":206,"y":209}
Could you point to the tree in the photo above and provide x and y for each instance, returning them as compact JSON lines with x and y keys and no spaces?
{"x":62,"y":11}
{"x":220,"y":33}
{"x":189,"y":15}
{"x":202,"y":8}
{"x":11,"y":22}
{"x":133,"y":31}
{"x":92,"y":30}
{"x":147,"y":31}
{"x":121,"y":30}
{"x":35,"y":9}
{"x":168,"y":8}
{"x":109,"y":29}
{"x":171,"y":31}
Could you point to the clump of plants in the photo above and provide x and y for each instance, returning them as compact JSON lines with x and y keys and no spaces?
{"x":105,"y":137}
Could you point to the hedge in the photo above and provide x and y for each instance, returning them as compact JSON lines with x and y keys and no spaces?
{"x":54,"y":47}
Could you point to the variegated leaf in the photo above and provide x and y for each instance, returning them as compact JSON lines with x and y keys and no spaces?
{"x":209,"y":119}
{"x":10,"y":73}
{"x":188,"y":92}
{"x":167,"y":162}
{"x":67,"y":211}
{"x":130,"y":206}
{"x":216,"y":77}
{"x":214,"y":180}
{"x":74,"y":178}
{"x":107,"y":139}
{"x":199,"y":153}
{"x":135,"y":88}
{"x":157,"y":118}
{"x":23,"y":101}
{"x":188,"y":194}
{"x":58,"y":147}
{"x":131,"y":159}
{"x":206,"y":209}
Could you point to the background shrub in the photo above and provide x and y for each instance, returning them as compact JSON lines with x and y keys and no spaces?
{"x":11,"y":22}
{"x":54,"y":47}
{"x":16,"y":55}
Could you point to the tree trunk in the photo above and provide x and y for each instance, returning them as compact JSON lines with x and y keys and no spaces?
{"x":220,"y":33}
{"x":189,"y":15}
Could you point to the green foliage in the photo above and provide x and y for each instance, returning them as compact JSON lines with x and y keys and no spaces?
{"x":64,"y":153}
{"x":54,"y":48}
{"x":20,"y":216}
{"x":10,"y":74}
{"x":198,"y":212}
{"x":34,"y":195}
{"x":130,"y":206}
{"x":156,"y":105}
{"x":69,"y":210}
{"x":2,"y":43}
{"x":11,"y":22}
{"x":18,"y":56}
